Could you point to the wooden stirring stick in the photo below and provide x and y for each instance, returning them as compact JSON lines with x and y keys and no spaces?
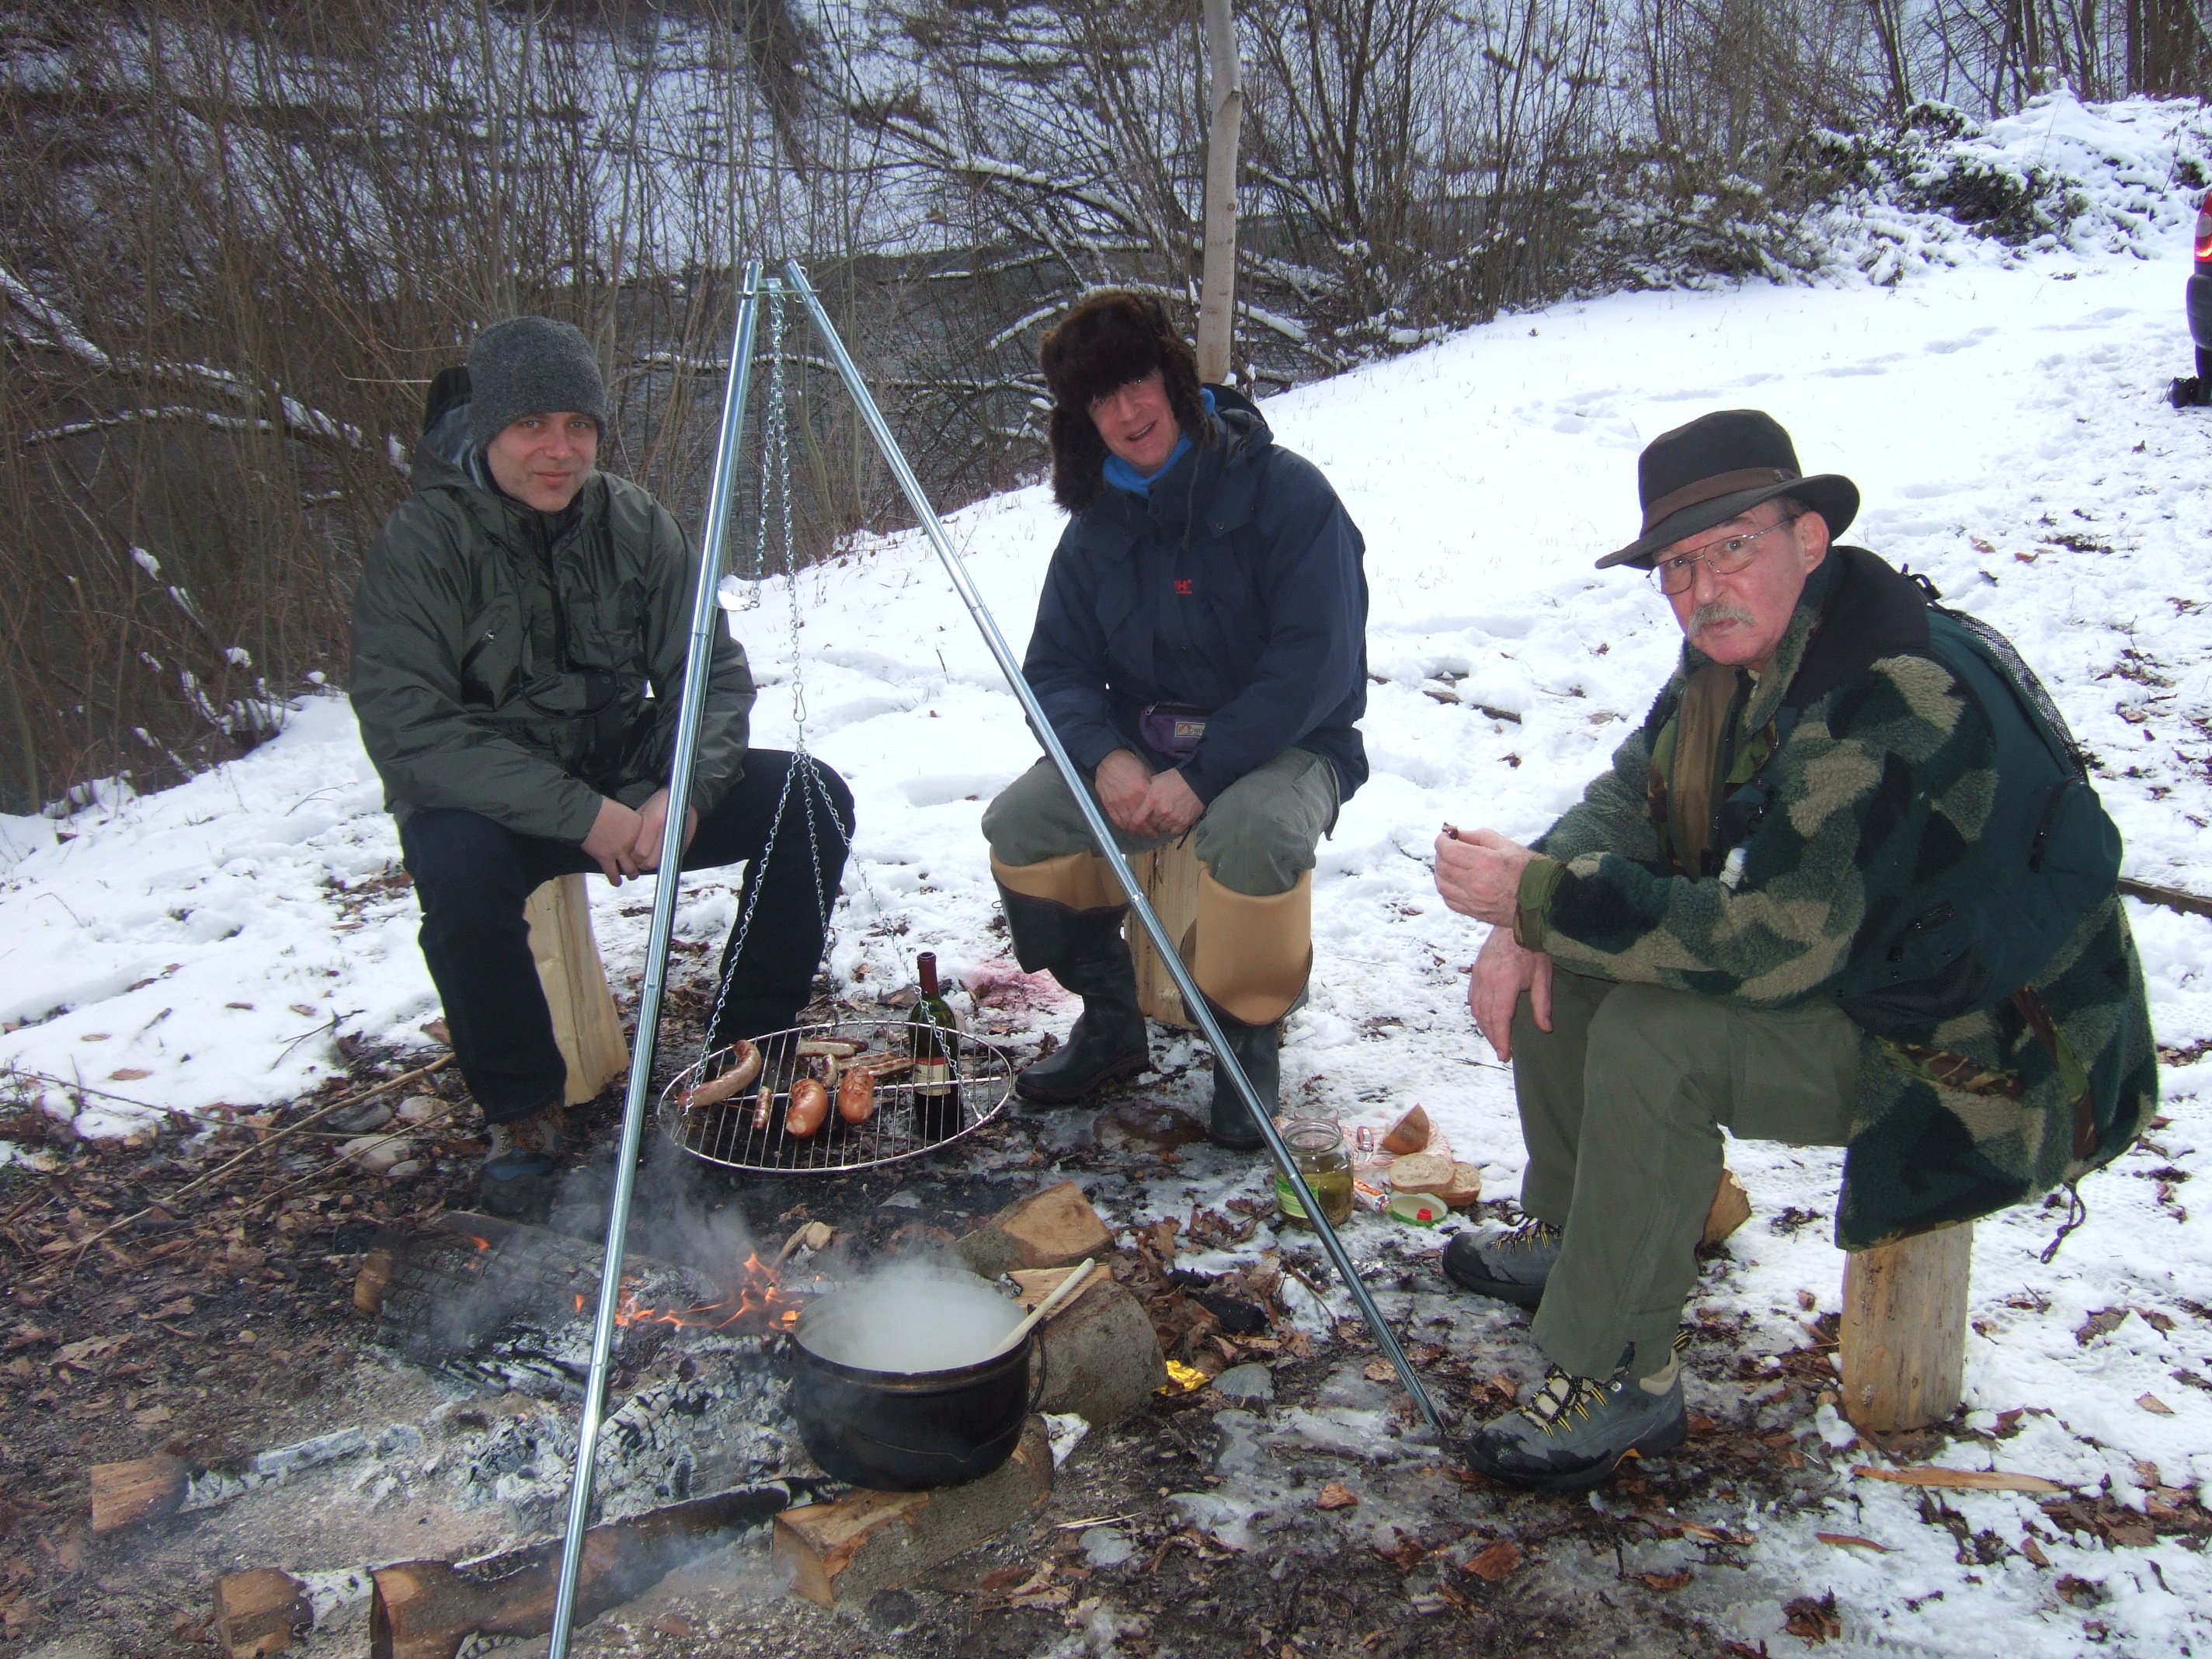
{"x":1067,"y":1288}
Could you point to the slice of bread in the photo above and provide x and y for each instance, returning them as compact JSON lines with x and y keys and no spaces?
{"x":1466,"y":1187}
{"x":1422,"y":1172}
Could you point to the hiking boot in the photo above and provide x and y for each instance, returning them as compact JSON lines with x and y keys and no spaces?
{"x":1511,"y":1266}
{"x":517,"y":1180}
{"x":1577,"y":1429}
{"x":1083,"y":951}
{"x":1258,"y":1050}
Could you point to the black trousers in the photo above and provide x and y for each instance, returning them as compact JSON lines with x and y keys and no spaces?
{"x":473,"y":877}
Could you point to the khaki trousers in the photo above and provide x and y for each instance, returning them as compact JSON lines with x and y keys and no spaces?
{"x":1251,"y":947}
{"x":1257,"y":836}
{"x":1622,"y":1104}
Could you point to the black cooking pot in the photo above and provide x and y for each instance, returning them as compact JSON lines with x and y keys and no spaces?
{"x":910,"y":1430}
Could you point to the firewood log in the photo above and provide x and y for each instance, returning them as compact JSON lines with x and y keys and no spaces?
{"x":428,"y":1609}
{"x":259,"y":1613}
{"x":131,"y":1494}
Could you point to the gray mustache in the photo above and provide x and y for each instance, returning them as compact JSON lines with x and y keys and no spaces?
{"x":1718,"y":611}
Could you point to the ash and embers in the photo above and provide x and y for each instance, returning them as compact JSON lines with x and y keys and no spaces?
{"x":697,"y":1402}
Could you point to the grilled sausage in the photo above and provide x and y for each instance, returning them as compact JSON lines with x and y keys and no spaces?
{"x":745,"y":1066}
{"x":856,"y":1096}
{"x":810,"y":1106}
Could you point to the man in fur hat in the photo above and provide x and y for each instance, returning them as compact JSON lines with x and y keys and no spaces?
{"x":1200,"y":650}
{"x":1847,"y":885}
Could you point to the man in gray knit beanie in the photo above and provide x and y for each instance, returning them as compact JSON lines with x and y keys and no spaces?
{"x":532,"y":366}
{"x":519,"y":637}
{"x":536,"y":409}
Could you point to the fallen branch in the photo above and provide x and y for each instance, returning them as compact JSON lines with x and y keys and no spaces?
{"x":1960,"y":1479}
{"x":263,"y":1145}
{"x":2172,"y":897}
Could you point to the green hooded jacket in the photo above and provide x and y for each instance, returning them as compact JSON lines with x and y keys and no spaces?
{"x":501,"y":656}
{"x":1885,"y":775}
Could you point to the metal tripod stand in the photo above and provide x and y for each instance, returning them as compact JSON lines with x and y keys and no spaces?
{"x":705,"y":615}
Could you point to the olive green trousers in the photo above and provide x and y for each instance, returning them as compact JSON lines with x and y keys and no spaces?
{"x":1622,"y":1105}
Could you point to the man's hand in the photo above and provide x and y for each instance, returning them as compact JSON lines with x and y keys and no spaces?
{"x":1502,"y":972}
{"x":1479,"y":874}
{"x":1124,"y":783}
{"x":613,"y":841}
{"x":1171,"y":806}
{"x":652,"y":823}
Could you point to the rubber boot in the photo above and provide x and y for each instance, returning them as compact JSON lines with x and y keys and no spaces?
{"x":1258,"y":1050}
{"x":1083,"y":951}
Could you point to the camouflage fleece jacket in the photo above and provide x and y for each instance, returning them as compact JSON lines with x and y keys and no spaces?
{"x":1953,"y":1120}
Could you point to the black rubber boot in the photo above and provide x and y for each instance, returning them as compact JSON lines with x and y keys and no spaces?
{"x":1083,"y":951}
{"x":1258,"y":1050}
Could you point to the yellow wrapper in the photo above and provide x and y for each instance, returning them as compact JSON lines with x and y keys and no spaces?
{"x":1182,"y":1378}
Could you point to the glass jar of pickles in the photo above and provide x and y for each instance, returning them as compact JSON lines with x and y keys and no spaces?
{"x":1317,"y":1147}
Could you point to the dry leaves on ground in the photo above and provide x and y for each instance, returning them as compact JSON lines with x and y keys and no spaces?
{"x":1814,"y":1618}
{"x":1494,"y":1563}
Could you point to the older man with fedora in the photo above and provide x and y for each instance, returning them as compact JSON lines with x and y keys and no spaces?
{"x":1846,"y":885}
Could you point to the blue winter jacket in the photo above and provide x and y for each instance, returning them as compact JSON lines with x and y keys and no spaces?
{"x":1235,"y":586}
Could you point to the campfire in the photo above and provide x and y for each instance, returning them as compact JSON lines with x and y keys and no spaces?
{"x":758,"y":1306}
{"x":507,"y":1305}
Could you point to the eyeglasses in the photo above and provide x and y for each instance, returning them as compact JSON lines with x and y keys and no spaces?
{"x":1723,"y":558}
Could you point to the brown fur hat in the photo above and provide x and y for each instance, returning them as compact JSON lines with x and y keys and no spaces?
{"x":1106,"y":341}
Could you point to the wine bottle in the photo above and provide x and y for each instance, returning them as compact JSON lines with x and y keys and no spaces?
{"x":931,"y":1029}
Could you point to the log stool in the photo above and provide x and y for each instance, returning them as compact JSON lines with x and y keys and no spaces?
{"x":1904,"y":1335}
{"x":1169,"y":876}
{"x":584,"y":1022}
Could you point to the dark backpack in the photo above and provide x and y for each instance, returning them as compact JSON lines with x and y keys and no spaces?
{"x":2048,"y":855}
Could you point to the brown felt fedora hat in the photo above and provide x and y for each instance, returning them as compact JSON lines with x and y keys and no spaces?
{"x":1717,"y":466}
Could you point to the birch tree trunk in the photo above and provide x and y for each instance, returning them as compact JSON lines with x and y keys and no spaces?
{"x":1217,"y":310}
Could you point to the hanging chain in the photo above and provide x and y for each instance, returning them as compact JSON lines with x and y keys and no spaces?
{"x":775,"y":496}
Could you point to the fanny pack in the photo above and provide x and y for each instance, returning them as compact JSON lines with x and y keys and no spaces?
{"x":1172,"y":728}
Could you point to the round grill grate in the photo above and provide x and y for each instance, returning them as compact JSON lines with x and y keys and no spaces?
{"x":907,"y":1122}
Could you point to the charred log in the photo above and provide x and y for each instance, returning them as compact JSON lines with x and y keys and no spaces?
{"x":428,"y":1609}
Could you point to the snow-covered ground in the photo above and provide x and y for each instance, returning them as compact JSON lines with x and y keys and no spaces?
{"x":2003,"y":415}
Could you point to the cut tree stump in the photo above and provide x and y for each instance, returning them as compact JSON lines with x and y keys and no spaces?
{"x":1169,"y":876}
{"x":1099,"y":1355}
{"x":584,"y":1022}
{"x":1904,"y":1337}
{"x":842,"y":1554}
{"x":1055,"y":1228}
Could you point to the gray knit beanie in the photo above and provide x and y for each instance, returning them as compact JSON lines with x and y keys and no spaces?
{"x":532,"y":366}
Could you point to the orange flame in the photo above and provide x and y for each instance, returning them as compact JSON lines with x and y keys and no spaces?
{"x":759,"y":1304}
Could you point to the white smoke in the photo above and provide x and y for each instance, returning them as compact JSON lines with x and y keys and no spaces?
{"x":907,"y":1318}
